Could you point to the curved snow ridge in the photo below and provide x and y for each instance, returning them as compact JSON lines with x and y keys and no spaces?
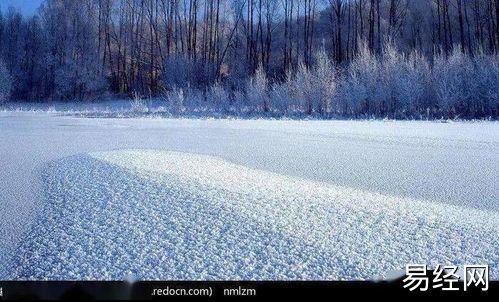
{"x":166,"y":215}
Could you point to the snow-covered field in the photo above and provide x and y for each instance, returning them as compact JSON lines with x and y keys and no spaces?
{"x":91,"y":198}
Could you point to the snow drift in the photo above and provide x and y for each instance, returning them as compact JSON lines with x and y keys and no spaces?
{"x":147,"y":214}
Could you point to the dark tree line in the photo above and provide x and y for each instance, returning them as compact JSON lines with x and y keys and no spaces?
{"x":76,"y":49}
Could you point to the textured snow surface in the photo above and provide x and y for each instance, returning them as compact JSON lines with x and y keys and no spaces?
{"x":167,"y":215}
{"x":59,"y":175}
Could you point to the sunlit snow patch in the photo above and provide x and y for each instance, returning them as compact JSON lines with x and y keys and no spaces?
{"x":167,"y":215}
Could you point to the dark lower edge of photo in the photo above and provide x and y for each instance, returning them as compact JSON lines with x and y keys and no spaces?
{"x":228,"y":290}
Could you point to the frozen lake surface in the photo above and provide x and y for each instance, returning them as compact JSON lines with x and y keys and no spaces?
{"x":90,"y":198}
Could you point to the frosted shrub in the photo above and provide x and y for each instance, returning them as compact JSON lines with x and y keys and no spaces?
{"x":138,"y":104}
{"x":257,"y":90}
{"x":5,"y":83}
{"x":175,"y":99}
{"x":239,"y":100}
{"x":280,"y":94}
{"x":195,"y":98}
{"x":218,"y":97}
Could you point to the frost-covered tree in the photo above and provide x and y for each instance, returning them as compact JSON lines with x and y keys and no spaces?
{"x":282,"y":95}
{"x":467,"y":86}
{"x":73,"y":60}
{"x":451,"y":78}
{"x":485,"y":100}
{"x":310,"y":89}
{"x":257,"y":90}
{"x":324,"y":83}
{"x":32,"y":81}
{"x":302,"y":86}
{"x":406,"y":80}
{"x":390,"y":84}
{"x":11,"y":46}
{"x":361,"y":90}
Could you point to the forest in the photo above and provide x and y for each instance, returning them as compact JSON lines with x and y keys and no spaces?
{"x":326,"y":58}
